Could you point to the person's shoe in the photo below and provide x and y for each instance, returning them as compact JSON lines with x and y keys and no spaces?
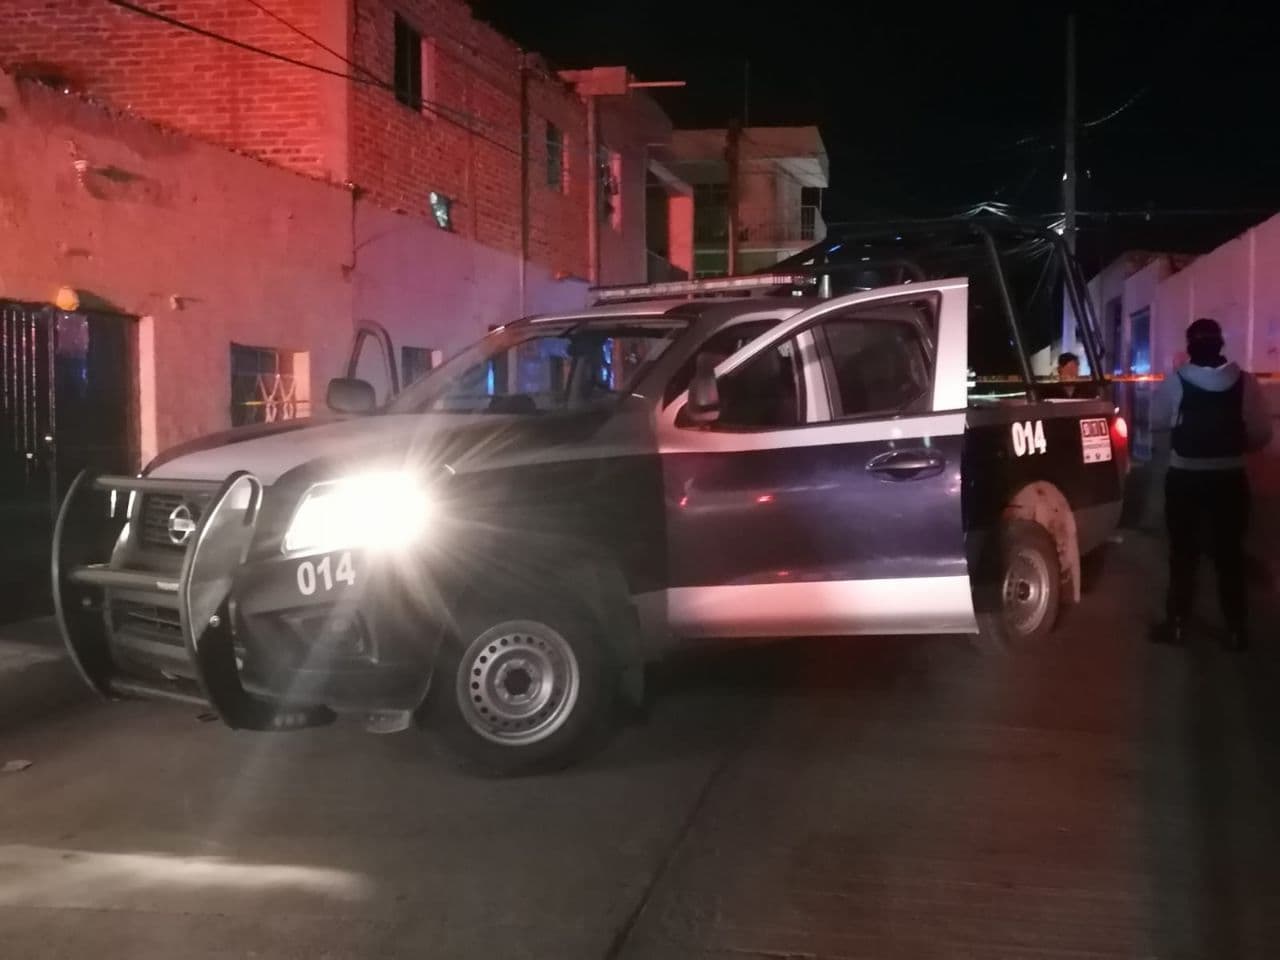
{"x":1236,"y":640}
{"x":1172,"y":632}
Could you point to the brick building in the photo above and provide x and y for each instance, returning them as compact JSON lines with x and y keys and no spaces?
{"x":223,"y":191}
{"x":406,"y":99}
{"x":782,"y":172}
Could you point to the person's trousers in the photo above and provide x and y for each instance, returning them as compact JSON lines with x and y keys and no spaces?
{"x":1207,"y":512}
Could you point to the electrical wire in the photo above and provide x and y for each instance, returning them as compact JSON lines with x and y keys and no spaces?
{"x":1118,"y":110}
{"x":436,"y":32}
{"x":1209,"y":212}
{"x":439,"y":110}
{"x":459,"y":118}
{"x":308,"y":37}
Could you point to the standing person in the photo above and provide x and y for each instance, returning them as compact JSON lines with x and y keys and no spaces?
{"x":1068,"y":367}
{"x":1068,"y":373}
{"x":1216,"y":414}
{"x":1071,"y":387}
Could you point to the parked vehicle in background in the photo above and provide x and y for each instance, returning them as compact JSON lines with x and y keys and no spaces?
{"x":853,"y":445}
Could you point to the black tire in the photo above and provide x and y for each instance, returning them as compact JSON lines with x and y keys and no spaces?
{"x":1020,"y":588}
{"x":523,"y":688}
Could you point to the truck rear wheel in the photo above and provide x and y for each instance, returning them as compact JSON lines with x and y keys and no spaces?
{"x":1022,"y":585}
{"x":525,"y":689}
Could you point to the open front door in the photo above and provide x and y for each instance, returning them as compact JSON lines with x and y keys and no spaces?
{"x":826,"y":497}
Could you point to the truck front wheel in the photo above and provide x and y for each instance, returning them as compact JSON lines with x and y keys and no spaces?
{"x":523,"y":690}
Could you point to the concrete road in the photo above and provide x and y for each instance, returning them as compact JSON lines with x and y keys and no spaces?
{"x":1099,"y":797}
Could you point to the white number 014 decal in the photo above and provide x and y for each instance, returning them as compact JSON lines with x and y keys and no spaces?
{"x":1028,"y":438}
{"x":323,"y":575}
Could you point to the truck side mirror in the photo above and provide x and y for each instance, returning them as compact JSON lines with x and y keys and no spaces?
{"x":349,"y":395}
{"x":704,"y":392}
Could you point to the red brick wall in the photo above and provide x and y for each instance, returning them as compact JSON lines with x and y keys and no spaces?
{"x":557,"y":218}
{"x":466,"y":142}
{"x":199,"y":86}
{"x":466,"y":146}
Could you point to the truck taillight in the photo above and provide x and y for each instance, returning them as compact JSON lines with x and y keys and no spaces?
{"x":1120,"y":442}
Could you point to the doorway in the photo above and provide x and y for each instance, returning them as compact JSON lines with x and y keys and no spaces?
{"x":67,"y":403}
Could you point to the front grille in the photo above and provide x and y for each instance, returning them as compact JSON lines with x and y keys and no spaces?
{"x":159,"y":624}
{"x":157,"y":508}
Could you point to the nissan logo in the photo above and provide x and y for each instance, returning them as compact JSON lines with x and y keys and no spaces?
{"x":181,"y":524}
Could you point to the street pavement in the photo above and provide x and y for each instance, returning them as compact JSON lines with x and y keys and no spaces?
{"x":1097,"y":797}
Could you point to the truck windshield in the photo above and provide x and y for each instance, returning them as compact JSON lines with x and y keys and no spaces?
{"x":543,"y":367}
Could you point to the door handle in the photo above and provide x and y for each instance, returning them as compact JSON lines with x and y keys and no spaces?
{"x":907,"y":464}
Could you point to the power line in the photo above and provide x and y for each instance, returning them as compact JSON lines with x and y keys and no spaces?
{"x":1206,"y":212}
{"x":1118,"y":110}
{"x":460,"y":118}
{"x":306,"y":36}
{"x":374,"y":79}
{"x":435,"y":32}
{"x":438,"y":109}
{"x":221,"y":38}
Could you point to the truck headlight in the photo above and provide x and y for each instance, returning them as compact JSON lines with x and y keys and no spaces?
{"x":374,"y":510}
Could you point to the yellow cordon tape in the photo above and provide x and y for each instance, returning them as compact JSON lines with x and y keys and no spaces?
{"x":1122,"y":378}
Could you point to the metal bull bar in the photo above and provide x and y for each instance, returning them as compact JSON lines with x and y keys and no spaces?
{"x":83,"y":584}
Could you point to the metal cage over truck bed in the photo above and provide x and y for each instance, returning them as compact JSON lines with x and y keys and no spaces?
{"x":161,"y":627}
{"x":993,"y":250}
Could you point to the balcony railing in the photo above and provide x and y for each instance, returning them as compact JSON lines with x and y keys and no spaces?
{"x":807,"y":228}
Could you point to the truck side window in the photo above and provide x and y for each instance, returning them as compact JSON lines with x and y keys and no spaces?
{"x":721,"y":345}
{"x":766,"y":392}
{"x":880,"y":365}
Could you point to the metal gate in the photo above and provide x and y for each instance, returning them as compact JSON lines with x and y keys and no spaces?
{"x":65,"y":403}
{"x":28,"y":475}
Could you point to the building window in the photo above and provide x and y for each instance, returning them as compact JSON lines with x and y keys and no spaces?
{"x":1140,"y":342}
{"x":268,"y":385}
{"x":609,"y":192}
{"x":555,"y":157}
{"x":441,"y":210}
{"x":416,"y":363}
{"x":711,"y":213}
{"x":408,"y":83}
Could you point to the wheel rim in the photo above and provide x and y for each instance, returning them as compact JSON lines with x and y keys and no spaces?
{"x":518,"y":682}
{"x":1026,"y":591}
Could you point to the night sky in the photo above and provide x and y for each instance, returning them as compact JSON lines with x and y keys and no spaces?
{"x":928,"y":113}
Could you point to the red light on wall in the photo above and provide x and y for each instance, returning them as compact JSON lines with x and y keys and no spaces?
{"x":765,"y":498}
{"x":1120,"y":427}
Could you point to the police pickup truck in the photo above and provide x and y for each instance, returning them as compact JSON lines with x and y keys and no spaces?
{"x":498,"y":551}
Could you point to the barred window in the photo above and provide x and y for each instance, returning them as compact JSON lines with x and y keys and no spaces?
{"x":268,"y":385}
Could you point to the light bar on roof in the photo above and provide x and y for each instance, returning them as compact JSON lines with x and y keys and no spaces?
{"x":686,"y":288}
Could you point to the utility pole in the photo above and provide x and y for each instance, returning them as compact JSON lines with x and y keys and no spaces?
{"x":524,"y":179}
{"x":1069,"y":141}
{"x":732,"y":146}
{"x":593,"y":189}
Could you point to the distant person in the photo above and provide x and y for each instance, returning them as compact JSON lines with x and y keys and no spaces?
{"x":1068,"y":367}
{"x":1070,"y":385}
{"x":1216,"y":414}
